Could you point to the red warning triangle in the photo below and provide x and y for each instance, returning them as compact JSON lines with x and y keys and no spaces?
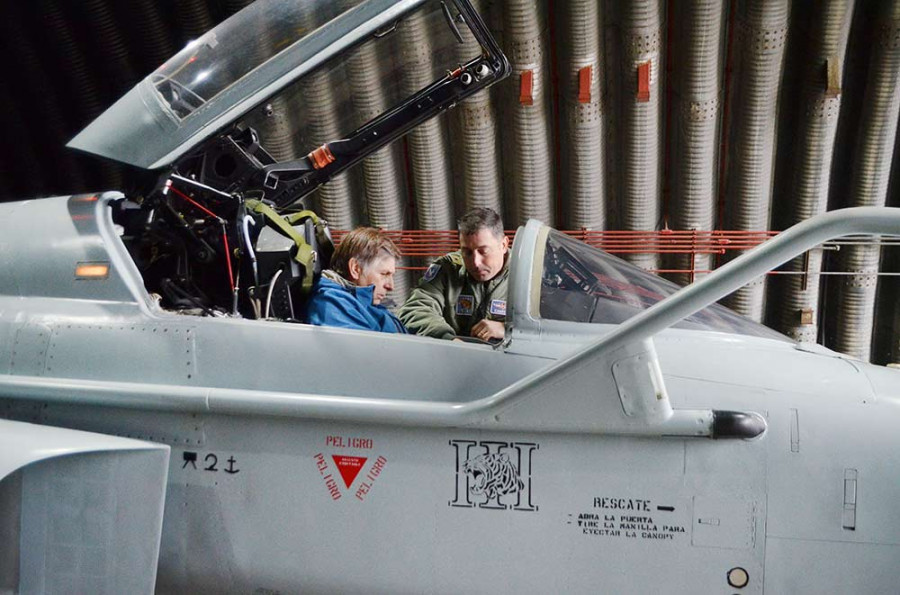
{"x":349,"y":467}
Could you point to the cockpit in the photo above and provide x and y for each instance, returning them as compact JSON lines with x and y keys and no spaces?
{"x":574,"y":282}
{"x":580,"y":283}
{"x":262,"y":119}
{"x":235,"y":219}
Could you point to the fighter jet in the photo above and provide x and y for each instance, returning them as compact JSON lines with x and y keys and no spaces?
{"x":170,"y":424}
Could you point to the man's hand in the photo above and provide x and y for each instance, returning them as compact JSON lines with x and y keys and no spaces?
{"x":487,"y":330}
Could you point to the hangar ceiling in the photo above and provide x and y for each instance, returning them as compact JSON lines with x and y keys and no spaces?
{"x":695,"y":117}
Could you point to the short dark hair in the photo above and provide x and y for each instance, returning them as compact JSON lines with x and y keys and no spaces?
{"x":364,"y":244}
{"x":481,"y":218}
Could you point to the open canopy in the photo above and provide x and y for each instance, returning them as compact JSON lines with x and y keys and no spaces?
{"x":271,"y":47}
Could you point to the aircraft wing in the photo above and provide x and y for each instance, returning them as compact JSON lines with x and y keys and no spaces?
{"x":86,"y":510}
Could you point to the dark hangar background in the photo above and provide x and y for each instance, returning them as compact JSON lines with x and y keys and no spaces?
{"x":66,"y":61}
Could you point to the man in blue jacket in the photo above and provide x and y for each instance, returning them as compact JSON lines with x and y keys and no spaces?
{"x":349,"y":295}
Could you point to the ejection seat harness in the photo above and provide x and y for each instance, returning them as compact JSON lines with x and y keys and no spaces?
{"x":305,"y":255}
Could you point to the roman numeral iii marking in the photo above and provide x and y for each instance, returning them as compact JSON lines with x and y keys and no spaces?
{"x":492,"y":474}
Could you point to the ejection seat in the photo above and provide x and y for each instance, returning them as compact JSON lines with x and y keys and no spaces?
{"x":291,"y":252}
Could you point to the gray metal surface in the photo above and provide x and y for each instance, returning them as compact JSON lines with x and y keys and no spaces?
{"x":321,"y":459}
{"x":82,"y":512}
{"x":574,"y":457}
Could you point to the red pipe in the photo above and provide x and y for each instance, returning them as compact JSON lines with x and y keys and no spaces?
{"x":224,"y":231}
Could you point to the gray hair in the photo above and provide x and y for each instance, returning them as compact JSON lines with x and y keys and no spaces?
{"x":481,"y":218}
{"x":365,"y":244}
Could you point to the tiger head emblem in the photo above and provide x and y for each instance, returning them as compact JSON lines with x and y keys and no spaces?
{"x":492,"y":475}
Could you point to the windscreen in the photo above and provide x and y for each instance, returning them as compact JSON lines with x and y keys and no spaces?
{"x":580,"y":283}
{"x":213,"y":62}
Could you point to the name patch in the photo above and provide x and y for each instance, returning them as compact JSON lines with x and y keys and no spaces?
{"x":465,"y":305}
{"x":498,"y":307}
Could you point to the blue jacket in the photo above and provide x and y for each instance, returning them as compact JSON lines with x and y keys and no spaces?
{"x":337,"y":302}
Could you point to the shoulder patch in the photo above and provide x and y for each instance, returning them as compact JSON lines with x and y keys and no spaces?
{"x":456,"y":258}
{"x":431,"y":273}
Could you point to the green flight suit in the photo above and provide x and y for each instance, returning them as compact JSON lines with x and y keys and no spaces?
{"x":448,"y":302}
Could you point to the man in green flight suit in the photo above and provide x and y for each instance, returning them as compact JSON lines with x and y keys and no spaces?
{"x":464,"y":293}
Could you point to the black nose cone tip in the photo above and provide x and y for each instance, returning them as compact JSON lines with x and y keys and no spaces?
{"x":737,"y":424}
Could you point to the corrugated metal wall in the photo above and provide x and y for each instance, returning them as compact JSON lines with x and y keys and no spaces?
{"x":641,"y":115}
